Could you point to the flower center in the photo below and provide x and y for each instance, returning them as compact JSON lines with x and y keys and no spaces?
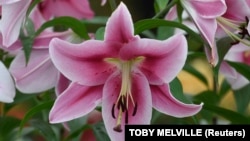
{"x":125,"y":96}
{"x":246,"y":57}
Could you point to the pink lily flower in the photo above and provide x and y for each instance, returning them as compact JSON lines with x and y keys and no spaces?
{"x":12,"y":16}
{"x":74,"y":8}
{"x":234,"y":20}
{"x":127,"y":74}
{"x":204,"y":14}
{"x":7,"y":87}
{"x":237,"y":53}
{"x":39,"y":74}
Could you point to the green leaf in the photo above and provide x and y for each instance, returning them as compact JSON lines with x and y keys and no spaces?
{"x":99,"y":35}
{"x":7,"y":125}
{"x":223,"y":45}
{"x":45,"y":129}
{"x":77,"y":129}
{"x":195,"y":73}
{"x":29,"y":27}
{"x":77,"y":26}
{"x":27,"y":36}
{"x":234,"y":117}
{"x":177,"y":90}
{"x":35,"y":110}
{"x":74,"y":134}
{"x":208,"y":97}
{"x":242,"y":68}
{"x":96,"y":20}
{"x":27,"y":43}
{"x":160,"y":5}
{"x":146,"y":24}
{"x":179,"y":11}
{"x":164,"y":32}
{"x":224,"y":88}
{"x":100,"y":132}
{"x":242,"y":98}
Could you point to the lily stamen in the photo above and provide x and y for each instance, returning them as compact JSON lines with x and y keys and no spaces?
{"x":135,"y":109}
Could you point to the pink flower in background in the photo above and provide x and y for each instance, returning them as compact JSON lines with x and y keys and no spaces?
{"x":127,"y":74}
{"x":39,"y":74}
{"x":204,"y":14}
{"x":7,"y":87}
{"x":12,"y":16}
{"x":234,"y":20}
{"x":75,"y":8}
{"x":237,"y":53}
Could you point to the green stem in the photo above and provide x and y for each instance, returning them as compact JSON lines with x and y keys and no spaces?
{"x":165,"y":10}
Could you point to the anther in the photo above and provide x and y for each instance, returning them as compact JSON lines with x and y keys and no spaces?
{"x":235,"y":42}
{"x":113,"y":111}
{"x":247,"y":19}
{"x":117,"y":128}
{"x":126,"y":116}
{"x":121,"y":104}
{"x":135,"y":109}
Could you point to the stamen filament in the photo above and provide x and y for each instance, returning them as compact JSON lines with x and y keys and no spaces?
{"x":233,"y":36}
{"x":118,"y":123}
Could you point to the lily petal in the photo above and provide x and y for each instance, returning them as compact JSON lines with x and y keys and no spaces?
{"x":12,"y":17}
{"x":76,"y":101}
{"x":207,"y":28}
{"x":163,"y":59}
{"x":227,"y":70}
{"x":207,"y":8}
{"x":141,"y":95}
{"x":164,"y":102}
{"x":74,"y":8}
{"x":238,"y":82}
{"x":204,"y":14}
{"x":2,"y":2}
{"x":83,"y":63}
{"x":7,"y":87}
{"x":62,"y":84}
{"x":119,"y":26}
{"x":33,"y":77}
{"x":236,"y":53}
{"x":240,"y":6}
